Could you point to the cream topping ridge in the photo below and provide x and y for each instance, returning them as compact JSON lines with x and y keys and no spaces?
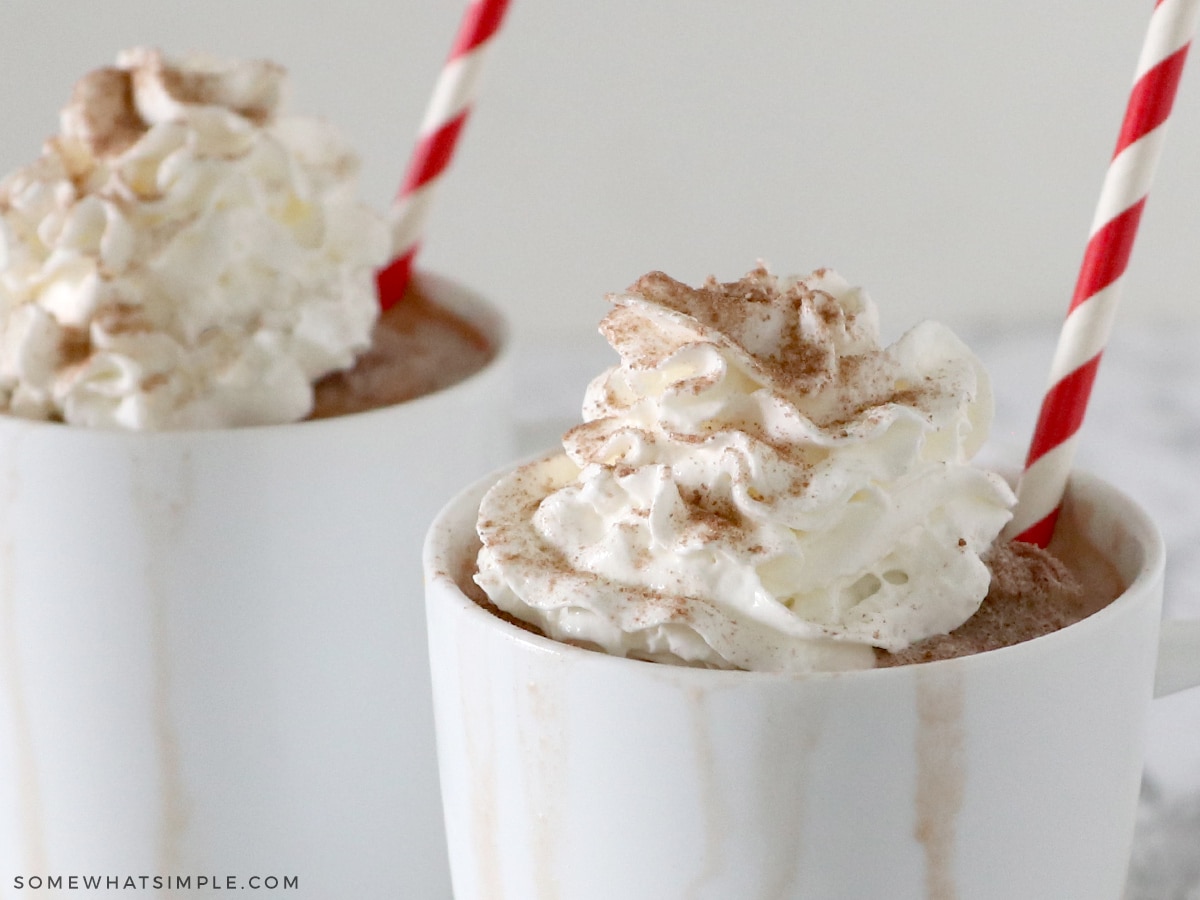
{"x":758,"y":484}
{"x":183,"y":253}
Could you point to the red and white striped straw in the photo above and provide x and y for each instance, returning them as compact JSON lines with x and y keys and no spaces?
{"x":444,"y":119}
{"x":1093,"y":306}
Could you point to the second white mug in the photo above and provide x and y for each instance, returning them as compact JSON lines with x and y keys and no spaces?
{"x":212,"y":649}
{"x":573,"y":775}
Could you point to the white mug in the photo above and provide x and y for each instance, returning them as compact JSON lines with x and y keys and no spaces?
{"x":571,"y":775}
{"x":212,"y":651}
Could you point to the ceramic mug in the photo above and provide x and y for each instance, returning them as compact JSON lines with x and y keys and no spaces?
{"x":212,"y":651}
{"x":571,"y":775}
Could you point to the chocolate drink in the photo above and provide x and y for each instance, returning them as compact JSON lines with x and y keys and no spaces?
{"x":417,"y":347}
{"x":1032,"y":592}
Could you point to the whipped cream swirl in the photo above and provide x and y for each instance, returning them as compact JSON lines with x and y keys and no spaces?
{"x":757,"y":485}
{"x":182,"y":255}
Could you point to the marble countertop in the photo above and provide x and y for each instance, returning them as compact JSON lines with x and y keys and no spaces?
{"x":1142,"y":432}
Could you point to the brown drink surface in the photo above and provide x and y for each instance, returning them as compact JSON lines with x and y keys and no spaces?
{"x":1033,"y":592}
{"x":417,"y":347}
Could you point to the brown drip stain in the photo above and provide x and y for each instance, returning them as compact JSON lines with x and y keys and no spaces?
{"x":28,"y":790}
{"x":161,"y":518}
{"x":712,"y":806}
{"x":784,"y":793}
{"x":547,"y":785}
{"x":481,"y":766}
{"x":941,"y":777}
{"x":174,"y":808}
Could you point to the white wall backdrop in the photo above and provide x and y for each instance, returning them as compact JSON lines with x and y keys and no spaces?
{"x":947,"y":155}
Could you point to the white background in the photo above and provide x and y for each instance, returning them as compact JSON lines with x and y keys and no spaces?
{"x":946,"y":155}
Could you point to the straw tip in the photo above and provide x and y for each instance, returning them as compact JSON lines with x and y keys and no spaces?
{"x":392,"y":280}
{"x":1041,"y":531}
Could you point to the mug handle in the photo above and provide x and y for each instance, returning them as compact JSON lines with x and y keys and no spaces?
{"x":1178,"y":656}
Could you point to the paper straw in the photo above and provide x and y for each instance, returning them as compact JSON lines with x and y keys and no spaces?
{"x":437,"y":138}
{"x":1089,"y":319}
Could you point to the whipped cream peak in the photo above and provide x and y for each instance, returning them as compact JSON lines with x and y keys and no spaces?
{"x":113,"y":107}
{"x":789,"y":330}
{"x":183,"y":254}
{"x":757,"y":484}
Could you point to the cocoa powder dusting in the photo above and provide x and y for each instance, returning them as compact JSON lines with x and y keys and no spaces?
{"x":786,"y":333}
{"x":730,"y":311}
{"x":74,"y":345}
{"x":710,"y":515}
{"x":122,"y":318}
{"x":209,"y":88}
{"x":641,"y":347}
{"x":103,"y":102}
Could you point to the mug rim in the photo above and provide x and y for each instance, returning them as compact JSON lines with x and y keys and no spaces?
{"x":442,"y":587}
{"x":445,"y":290}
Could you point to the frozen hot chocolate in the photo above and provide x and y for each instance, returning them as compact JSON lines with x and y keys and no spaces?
{"x":178,"y":684}
{"x":186,"y":254}
{"x":758,"y":484}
